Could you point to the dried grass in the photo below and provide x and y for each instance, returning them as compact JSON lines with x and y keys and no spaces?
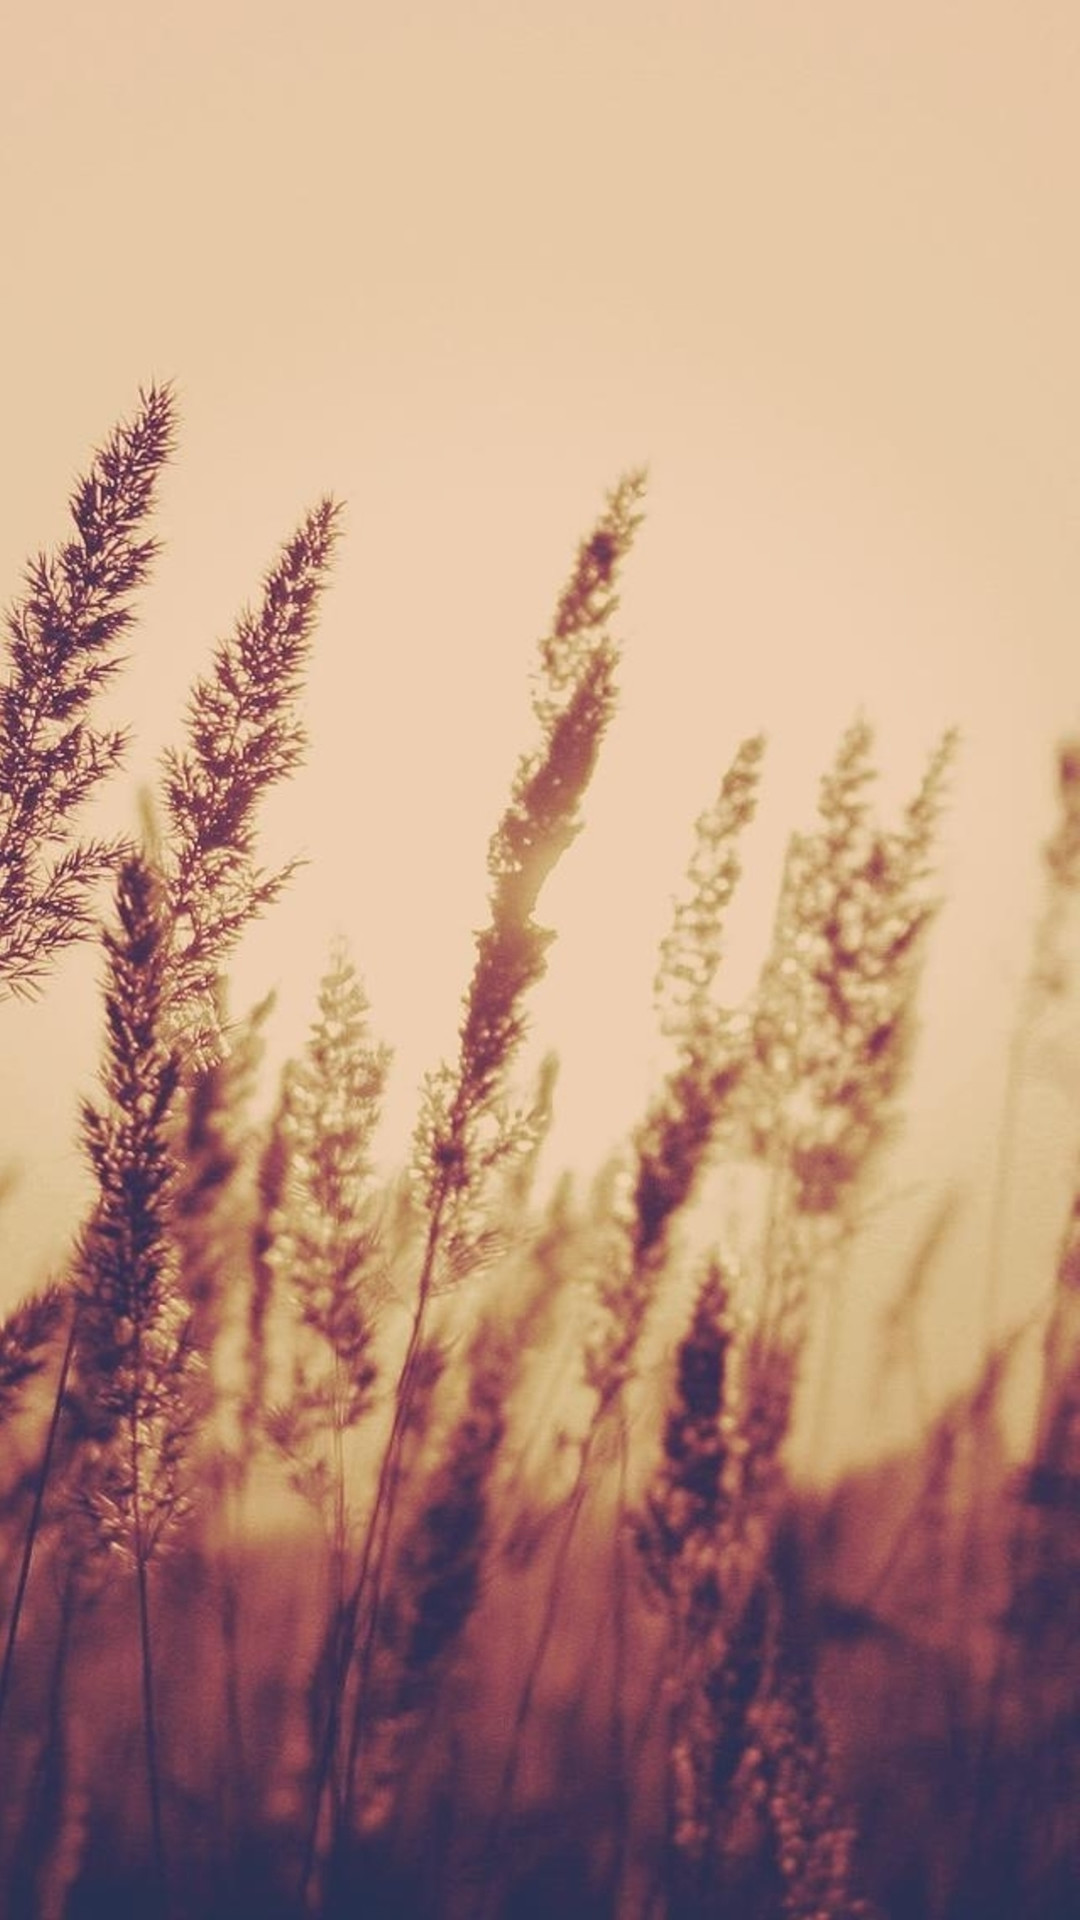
{"x":551,"y":1624}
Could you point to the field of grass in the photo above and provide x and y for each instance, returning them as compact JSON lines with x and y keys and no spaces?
{"x":432,"y":1547}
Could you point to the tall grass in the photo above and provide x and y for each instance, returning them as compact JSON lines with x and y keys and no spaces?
{"x":433,"y":1546}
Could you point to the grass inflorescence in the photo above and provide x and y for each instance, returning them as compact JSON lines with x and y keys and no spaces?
{"x":434,"y":1546}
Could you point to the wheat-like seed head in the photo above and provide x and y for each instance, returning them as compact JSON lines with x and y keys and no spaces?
{"x":467,"y":1129}
{"x":244,"y":735}
{"x":62,"y":640}
{"x":134,"y":1351}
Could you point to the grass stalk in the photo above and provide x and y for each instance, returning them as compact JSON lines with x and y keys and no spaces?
{"x":367,"y":1587}
{"x":146,"y":1672}
{"x":33,"y":1527}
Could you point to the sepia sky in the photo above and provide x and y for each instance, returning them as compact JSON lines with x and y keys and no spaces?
{"x":462,"y":265}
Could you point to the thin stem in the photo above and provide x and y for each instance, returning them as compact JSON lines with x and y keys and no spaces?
{"x":34,"y":1524}
{"x":508,"y":1779}
{"x":386,"y":1500}
{"x":620,"y":1648}
{"x":153,"y":1772}
{"x":372,"y":1556}
{"x":1004,"y":1150}
{"x":235,"y":1784}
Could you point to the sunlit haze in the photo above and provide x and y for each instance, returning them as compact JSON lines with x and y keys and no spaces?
{"x":462,"y":266}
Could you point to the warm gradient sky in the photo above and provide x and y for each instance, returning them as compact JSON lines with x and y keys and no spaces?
{"x":462,"y":264}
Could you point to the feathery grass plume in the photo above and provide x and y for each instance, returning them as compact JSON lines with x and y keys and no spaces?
{"x":243,"y":736}
{"x":465,"y":1128}
{"x":133,"y":1355}
{"x":704,"y":1544}
{"x":833,"y":1026}
{"x":687,"y":1540}
{"x":673,"y":1144}
{"x":466,"y":1131}
{"x":133,"y":1330}
{"x":327,"y":1250}
{"x":673,"y":1147}
{"x":812,"y":1842}
{"x":27,"y":1336}
{"x":690,"y":1504}
{"x":670,"y":1151}
{"x":679,"y":1132}
{"x":693,"y":949}
{"x":62,"y":638}
{"x":834,"y":1015}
